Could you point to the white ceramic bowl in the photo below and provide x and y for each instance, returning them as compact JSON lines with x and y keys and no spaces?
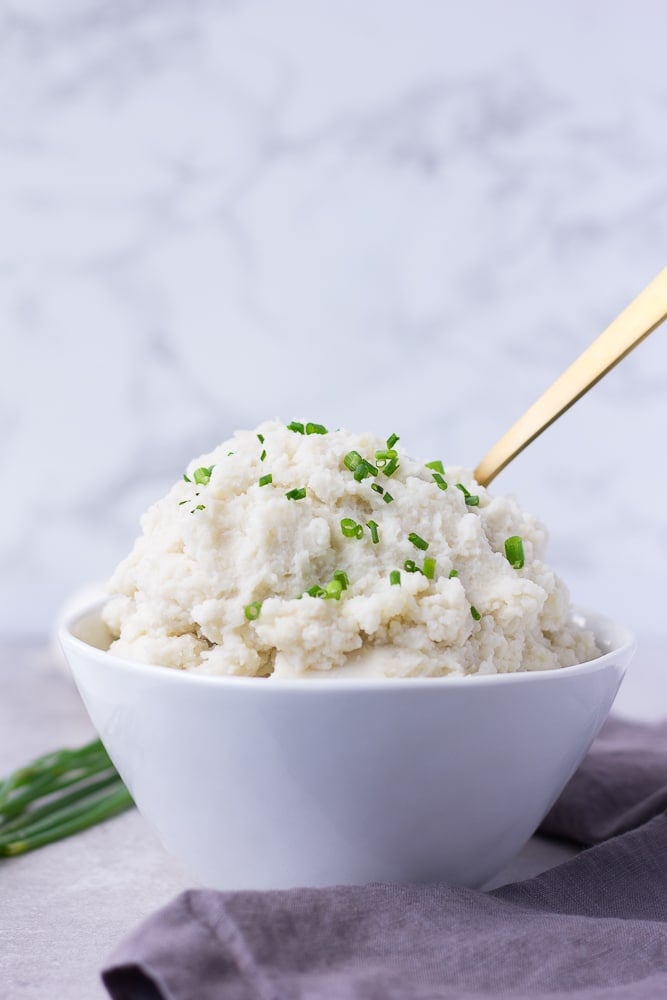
{"x":257,"y":784}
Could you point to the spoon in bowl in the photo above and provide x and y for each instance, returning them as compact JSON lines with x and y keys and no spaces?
{"x":640,"y":318}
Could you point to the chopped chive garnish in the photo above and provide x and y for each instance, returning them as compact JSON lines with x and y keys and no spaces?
{"x":297,"y":494}
{"x":453,"y":573}
{"x":417,"y":541}
{"x":350,"y":528}
{"x":186,"y":478}
{"x":342,"y":578}
{"x":475,"y":613}
{"x":260,"y":438}
{"x":333,"y":590}
{"x":387,"y":497}
{"x":429,"y":568}
{"x":514,"y":551}
{"x":202,"y":475}
{"x":364,"y":470}
{"x":181,"y":502}
{"x":437,"y":466}
{"x":316,"y":429}
{"x":377,"y":488}
{"x":392,"y":439}
{"x":390,"y":467}
{"x":265,"y":480}
{"x":252,"y":611}
{"x":229,"y":453}
{"x":315,"y":591}
{"x":442,"y":485}
{"x":394,"y":577}
{"x":410,"y":566}
{"x":263,"y":455}
{"x":384,"y":456}
{"x":296,"y":427}
{"x":471,"y":500}
{"x":359,"y":466}
{"x":352,"y":460}
{"x":373,"y":528}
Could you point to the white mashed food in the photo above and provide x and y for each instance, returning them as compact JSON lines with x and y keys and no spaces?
{"x":294,"y":554}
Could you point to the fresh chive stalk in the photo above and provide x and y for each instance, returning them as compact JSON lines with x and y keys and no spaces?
{"x":471,"y":499}
{"x":429,"y":568}
{"x":253,"y":611}
{"x":316,"y":429}
{"x":265,"y":480}
{"x":395,"y":577}
{"x":350,"y":528}
{"x":418,"y":542}
{"x":475,"y":613}
{"x":437,"y":466}
{"x":57,"y":795}
{"x":297,"y":494}
{"x":296,"y":427}
{"x":514,"y":551}
{"x":373,"y":528}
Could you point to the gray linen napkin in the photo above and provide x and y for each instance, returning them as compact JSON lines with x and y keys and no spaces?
{"x":594,"y":928}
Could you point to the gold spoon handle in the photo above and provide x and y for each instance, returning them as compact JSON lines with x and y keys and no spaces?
{"x":640,"y":318}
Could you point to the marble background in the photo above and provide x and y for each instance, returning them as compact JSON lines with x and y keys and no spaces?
{"x":409,"y":216}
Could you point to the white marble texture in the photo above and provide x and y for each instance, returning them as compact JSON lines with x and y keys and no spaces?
{"x":407,"y":216}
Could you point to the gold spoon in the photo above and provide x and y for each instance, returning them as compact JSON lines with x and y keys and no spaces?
{"x":635,"y":323}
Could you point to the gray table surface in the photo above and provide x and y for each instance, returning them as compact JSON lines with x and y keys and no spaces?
{"x":66,"y":906}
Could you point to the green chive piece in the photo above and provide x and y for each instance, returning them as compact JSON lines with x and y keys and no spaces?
{"x":358,"y":465}
{"x":202,"y":476}
{"x":429,"y":568}
{"x":417,"y":541}
{"x":384,"y":456}
{"x":296,"y":427}
{"x":315,"y":591}
{"x":453,"y":573}
{"x":316,"y":429}
{"x":229,"y":453}
{"x":200,"y":506}
{"x":472,"y":501}
{"x":392,"y":439}
{"x":388,"y":498}
{"x":364,"y":470}
{"x":410,"y":566}
{"x":390,"y":467}
{"x":252,"y":611}
{"x":349,"y":527}
{"x":260,"y":438}
{"x":265,"y":480}
{"x":373,"y":528}
{"x":342,"y":578}
{"x":394,"y":577}
{"x":297,"y":494}
{"x":333,"y":590}
{"x":352,"y":460}
{"x":437,"y":466}
{"x":442,"y":485}
{"x":263,"y":455}
{"x":514,"y":551}
{"x":377,"y":488}
{"x":181,"y":502}
{"x":186,"y":478}
{"x":475,"y":613}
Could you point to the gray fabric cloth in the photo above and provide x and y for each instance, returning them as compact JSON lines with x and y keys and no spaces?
{"x":594,"y":928}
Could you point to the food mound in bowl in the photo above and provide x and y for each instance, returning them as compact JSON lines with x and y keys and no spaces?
{"x":293,"y":551}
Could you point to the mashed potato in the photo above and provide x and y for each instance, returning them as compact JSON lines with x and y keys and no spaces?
{"x":291,"y":551}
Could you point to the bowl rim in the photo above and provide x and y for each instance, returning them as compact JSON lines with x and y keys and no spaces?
{"x":599,"y":624}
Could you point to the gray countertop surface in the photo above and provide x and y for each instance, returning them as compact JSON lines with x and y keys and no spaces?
{"x":65,"y":907}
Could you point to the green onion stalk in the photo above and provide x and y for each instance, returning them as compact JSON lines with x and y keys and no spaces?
{"x":58,"y":795}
